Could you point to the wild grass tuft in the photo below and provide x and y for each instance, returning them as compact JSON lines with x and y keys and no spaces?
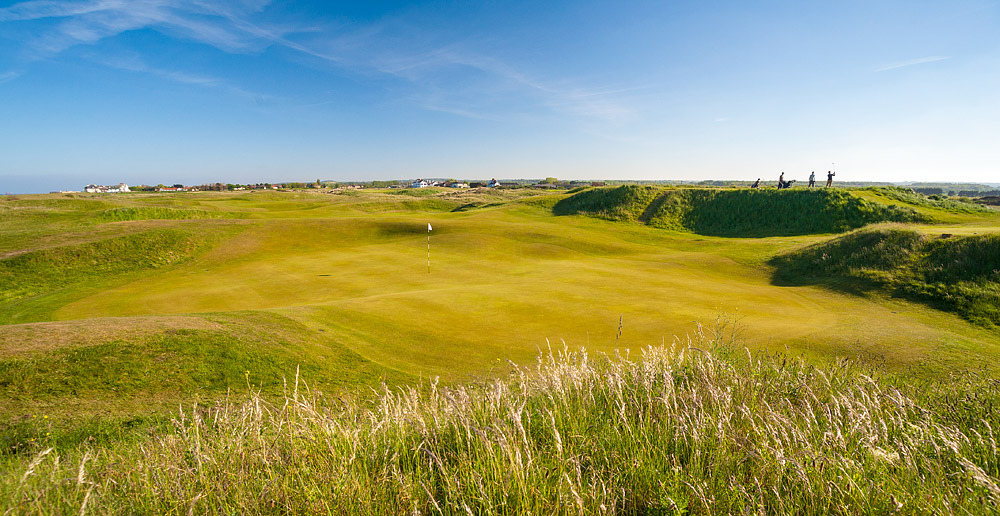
{"x":699,"y":427}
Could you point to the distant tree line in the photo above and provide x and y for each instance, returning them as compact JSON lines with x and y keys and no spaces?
{"x":960,"y":193}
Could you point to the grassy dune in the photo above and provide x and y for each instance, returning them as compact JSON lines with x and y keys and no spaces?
{"x":739,"y":212}
{"x":128,"y":317}
{"x":960,"y":274}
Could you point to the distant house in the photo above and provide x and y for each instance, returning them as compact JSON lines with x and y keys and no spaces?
{"x":172,"y":189}
{"x":476,"y":185}
{"x":493,"y":183}
{"x":459,"y":185}
{"x":120,"y":188}
{"x":597,"y":183}
{"x":420,"y":183}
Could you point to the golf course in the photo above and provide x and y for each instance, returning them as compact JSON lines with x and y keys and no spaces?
{"x":239,"y":349}
{"x":128,"y":304}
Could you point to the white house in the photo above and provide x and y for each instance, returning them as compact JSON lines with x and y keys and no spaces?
{"x":420,"y":183}
{"x":122,"y":187}
{"x":459,"y":185}
{"x":493,"y":183}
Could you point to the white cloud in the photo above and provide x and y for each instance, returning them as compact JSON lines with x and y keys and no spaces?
{"x":912,"y":62}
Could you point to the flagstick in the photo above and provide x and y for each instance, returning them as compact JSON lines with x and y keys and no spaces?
{"x":428,"y":250}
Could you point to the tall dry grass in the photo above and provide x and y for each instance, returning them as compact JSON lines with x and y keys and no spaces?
{"x":698,"y":427}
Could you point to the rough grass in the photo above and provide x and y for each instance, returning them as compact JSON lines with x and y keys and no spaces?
{"x":159,"y":213}
{"x":959,"y":274}
{"x":698,"y":428}
{"x":742,"y":212}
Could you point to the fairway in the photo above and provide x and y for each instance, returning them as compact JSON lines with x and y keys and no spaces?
{"x":342,"y":280}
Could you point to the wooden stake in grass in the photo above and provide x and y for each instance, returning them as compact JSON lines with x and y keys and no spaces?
{"x":429,"y":228}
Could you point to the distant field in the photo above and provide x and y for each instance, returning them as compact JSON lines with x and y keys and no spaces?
{"x":123,"y":305}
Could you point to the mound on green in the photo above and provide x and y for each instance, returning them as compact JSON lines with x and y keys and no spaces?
{"x":958,"y":274}
{"x":706,"y":430}
{"x":736,"y":213}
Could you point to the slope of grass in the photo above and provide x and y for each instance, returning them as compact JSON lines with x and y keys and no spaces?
{"x":147,"y":371}
{"x":32,"y":272}
{"x":208,"y":359}
{"x":49,"y":271}
{"x":743,"y":212}
{"x":150,"y":213}
{"x":625,"y":203}
{"x":960,"y":274}
{"x":702,"y":430}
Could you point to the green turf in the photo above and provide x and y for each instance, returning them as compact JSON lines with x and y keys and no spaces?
{"x":337,"y":284}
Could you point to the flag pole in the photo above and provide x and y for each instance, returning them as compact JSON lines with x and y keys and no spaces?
{"x":428,"y":248}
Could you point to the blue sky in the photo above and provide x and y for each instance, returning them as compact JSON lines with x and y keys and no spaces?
{"x":192,"y":91}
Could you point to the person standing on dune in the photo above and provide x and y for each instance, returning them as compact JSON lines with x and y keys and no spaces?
{"x":829,"y":178}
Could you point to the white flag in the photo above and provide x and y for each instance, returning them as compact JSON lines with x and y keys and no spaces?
{"x":429,"y":226}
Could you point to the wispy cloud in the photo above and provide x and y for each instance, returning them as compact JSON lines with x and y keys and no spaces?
{"x":451,"y":77}
{"x":911,"y":62}
{"x":135,"y":64}
{"x":9,"y":76}
{"x":211,"y":22}
{"x":466,"y":83}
